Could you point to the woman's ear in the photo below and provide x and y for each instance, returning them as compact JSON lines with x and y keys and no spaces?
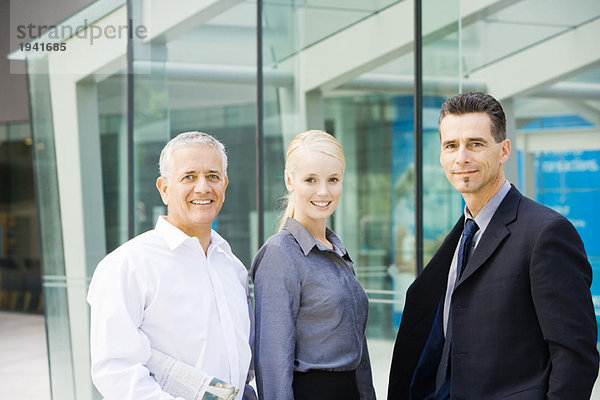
{"x":288,"y":181}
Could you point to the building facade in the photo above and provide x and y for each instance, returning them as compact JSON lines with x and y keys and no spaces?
{"x":123,"y":77}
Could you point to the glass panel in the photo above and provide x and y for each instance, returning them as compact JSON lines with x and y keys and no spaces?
{"x":368,"y":107}
{"x":20,"y":273}
{"x":316,"y":19}
{"x":280,"y":120}
{"x":442,"y":205}
{"x":52,"y":256}
{"x":151,"y":132}
{"x":112,"y":115}
{"x":520,"y":26}
{"x":203,"y":79}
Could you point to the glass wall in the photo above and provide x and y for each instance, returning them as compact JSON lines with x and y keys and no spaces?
{"x":52,"y":251}
{"x":202,"y":78}
{"x":101,"y":117}
{"x":20,"y":283}
{"x":112,"y":125}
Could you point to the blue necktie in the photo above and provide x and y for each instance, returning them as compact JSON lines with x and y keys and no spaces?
{"x":442,"y":381}
{"x":465,"y":245}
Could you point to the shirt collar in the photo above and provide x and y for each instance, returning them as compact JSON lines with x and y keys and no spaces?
{"x":487,"y":212}
{"x":175,"y":237}
{"x":220,"y":243}
{"x":307,"y":241}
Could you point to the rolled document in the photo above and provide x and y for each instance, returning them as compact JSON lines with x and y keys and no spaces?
{"x":184,"y":381}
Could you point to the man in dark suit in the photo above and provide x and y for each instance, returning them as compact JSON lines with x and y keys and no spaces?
{"x":503,"y":310}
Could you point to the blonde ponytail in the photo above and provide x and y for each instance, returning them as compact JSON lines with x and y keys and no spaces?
{"x":287,"y":213}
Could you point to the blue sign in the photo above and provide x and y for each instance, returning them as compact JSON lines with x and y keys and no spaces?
{"x":570,"y":183}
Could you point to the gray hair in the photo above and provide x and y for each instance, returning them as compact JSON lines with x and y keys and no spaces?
{"x":188,"y":139}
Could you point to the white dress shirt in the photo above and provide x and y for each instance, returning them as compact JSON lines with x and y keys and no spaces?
{"x":160,"y":290}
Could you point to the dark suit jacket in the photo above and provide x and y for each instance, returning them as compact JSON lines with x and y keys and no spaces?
{"x":523,"y":320}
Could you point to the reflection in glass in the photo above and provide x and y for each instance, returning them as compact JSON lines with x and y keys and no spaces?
{"x":52,"y":257}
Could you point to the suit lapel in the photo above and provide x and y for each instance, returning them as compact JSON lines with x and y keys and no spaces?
{"x":424,"y":293}
{"x":443,"y":257}
{"x":494,"y":234}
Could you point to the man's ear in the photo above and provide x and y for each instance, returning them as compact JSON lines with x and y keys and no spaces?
{"x":288,"y":181}
{"x":163,"y":189}
{"x":505,"y":151}
{"x":225,"y":184}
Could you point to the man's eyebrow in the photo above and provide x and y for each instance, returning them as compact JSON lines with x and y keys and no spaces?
{"x":477,"y":139}
{"x":470,"y":139}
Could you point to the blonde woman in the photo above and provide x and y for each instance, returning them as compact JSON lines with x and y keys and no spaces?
{"x":311,"y":311}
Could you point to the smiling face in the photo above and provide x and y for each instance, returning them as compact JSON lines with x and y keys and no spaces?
{"x":195,"y":190}
{"x":472,"y":159}
{"x":315,"y":186}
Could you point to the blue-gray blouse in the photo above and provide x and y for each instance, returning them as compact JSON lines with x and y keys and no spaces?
{"x":311,"y":312}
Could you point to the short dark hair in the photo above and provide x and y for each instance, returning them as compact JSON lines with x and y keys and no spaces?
{"x":477,"y":102}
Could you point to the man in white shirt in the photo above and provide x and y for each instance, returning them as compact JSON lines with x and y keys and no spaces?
{"x":177,"y":289}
